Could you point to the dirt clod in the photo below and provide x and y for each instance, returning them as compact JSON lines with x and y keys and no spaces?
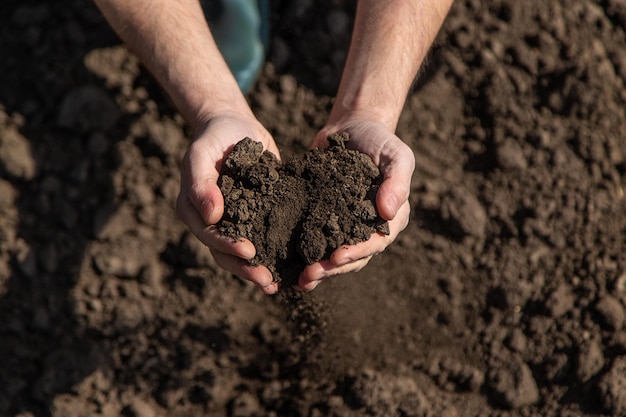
{"x":298,"y":213}
{"x":513,"y":386}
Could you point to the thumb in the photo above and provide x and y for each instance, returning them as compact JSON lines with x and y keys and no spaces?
{"x":396,"y":186}
{"x":200,"y":192}
{"x":207,"y":198}
{"x":389,"y":199}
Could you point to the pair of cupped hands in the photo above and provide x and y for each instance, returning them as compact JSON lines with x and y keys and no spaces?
{"x":200,"y":203}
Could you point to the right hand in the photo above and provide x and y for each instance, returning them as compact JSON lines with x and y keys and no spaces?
{"x":200,"y":203}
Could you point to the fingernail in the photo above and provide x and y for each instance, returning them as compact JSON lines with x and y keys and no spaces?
{"x":392,"y":204}
{"x":270,"y":289}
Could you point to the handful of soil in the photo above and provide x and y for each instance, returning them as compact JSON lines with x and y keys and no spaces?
{"x":299,"y":213}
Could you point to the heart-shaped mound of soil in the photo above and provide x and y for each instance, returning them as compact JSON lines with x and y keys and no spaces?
{"x":298,"y":213}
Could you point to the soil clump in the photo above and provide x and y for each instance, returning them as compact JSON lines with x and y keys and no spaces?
{"x":298,"y":213}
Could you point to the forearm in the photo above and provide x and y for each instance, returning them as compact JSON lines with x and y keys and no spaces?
{"x":173,"y":41}
{"x":389,"y":43}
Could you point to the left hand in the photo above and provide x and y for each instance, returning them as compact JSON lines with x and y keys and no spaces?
{"x":200,"y":203}
{"x":396,"y":163}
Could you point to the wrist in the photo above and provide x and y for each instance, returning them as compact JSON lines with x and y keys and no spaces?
{"x":343,"y":114}
{"x":201,"y":98}
{"x":210,"y":108}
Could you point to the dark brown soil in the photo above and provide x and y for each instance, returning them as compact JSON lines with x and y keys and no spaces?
{"x":505,"y":296}
{"x":299,"y":213}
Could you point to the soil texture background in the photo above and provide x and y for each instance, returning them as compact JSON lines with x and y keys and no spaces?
{"x":505,"y":296}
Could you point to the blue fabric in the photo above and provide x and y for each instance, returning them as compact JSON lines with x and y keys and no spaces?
{"x":241,"y":31}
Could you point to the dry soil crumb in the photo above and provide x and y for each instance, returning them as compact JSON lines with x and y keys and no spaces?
{"x":299,"y":213}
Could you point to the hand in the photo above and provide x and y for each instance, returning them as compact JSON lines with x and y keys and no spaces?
{"x":396,"y":162}
{"x":200,"y":203}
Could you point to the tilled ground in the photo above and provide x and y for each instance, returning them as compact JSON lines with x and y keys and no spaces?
{"x":505,"y":296}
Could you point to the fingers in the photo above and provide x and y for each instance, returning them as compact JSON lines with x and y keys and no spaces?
{"x":350,"y":253}
{"x":208,"y":234}
{"x":258,"y":275}
{"x":352,"y":258}
{"x":316,"y":273}
{"x":397,"y":167}
{"x":228,"y":254}
{"x":377,"y":243}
